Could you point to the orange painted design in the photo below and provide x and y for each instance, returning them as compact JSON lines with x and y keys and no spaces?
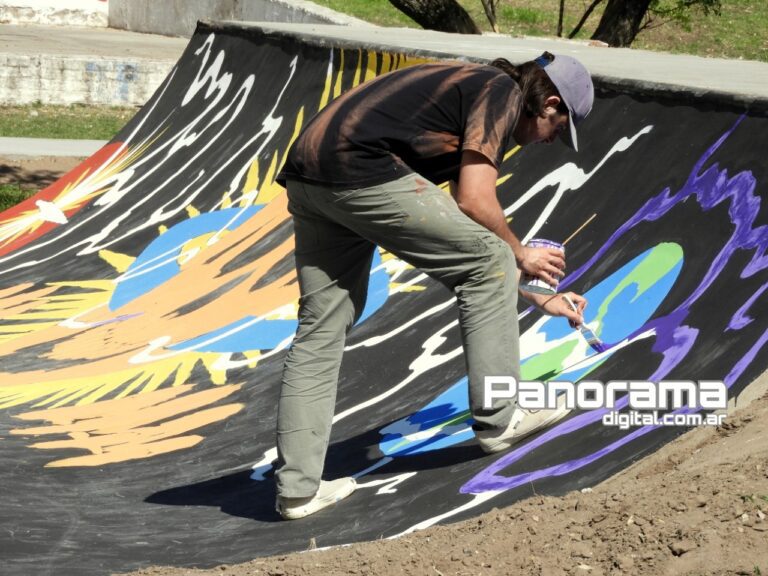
{"x":129,"y":428}
{"x":104,"y":349}
{"x":18,"y":299}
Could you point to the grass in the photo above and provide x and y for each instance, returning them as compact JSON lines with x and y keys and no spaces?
{"x":379,"y":12}
{"x":12,"y":194}
{"x":739,"y":32}
{"x":67,"y":122}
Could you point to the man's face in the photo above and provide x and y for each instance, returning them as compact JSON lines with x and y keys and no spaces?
{"x":545,"y":127}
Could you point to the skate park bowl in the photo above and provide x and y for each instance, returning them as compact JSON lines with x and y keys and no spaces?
{"x":148,"y":298}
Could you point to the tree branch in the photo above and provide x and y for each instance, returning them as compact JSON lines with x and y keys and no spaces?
{"x":584,"y":18}
{"x":490,"y":12}
{"x":442,"y":15}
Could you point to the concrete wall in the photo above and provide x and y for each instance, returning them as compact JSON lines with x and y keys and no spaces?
{"x":55,"y":12}
{"x":179,"y":17}
{"x":52,"y":79}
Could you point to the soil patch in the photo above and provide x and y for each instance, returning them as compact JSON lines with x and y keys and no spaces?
{"x":32,"y":173}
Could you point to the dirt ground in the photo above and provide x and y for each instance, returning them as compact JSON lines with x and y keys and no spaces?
{"x":34,"y":173}
{"x":697,"y":507}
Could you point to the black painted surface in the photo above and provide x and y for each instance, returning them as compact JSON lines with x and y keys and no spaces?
{"x":198,"y":506}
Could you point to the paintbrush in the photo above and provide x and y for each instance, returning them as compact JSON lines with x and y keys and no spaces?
{"x":594,"y":342}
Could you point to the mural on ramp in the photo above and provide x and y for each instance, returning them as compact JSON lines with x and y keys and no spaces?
{"x":147,"y":299}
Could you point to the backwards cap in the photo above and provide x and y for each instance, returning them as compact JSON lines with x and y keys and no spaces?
{"x":574,"y":83}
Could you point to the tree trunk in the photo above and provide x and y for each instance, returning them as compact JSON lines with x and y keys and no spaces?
{"x":441,"y":15}
{"x":490,"y":12}
{"x":621,"y":21}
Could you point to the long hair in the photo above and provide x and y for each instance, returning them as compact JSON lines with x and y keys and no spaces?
{"x":534,"y":83}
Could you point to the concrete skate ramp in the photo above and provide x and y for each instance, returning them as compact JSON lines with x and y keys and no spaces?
{"x":147,"y":299}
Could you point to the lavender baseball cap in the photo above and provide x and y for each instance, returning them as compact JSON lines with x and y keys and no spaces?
{"x":574,"y":83}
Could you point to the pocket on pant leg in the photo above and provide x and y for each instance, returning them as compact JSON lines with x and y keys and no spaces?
{"x":365,"y":209}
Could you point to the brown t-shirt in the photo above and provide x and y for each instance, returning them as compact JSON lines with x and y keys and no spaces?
{"x":417,"y":119}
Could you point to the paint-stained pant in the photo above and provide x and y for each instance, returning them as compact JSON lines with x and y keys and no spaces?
{"x":336,"y":233}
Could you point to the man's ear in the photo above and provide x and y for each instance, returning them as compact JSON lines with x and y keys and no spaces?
{"x":551,"y":104}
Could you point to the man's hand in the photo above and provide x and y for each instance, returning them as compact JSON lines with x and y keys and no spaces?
{"x":557,"y":305}
{"x":546,"y":263}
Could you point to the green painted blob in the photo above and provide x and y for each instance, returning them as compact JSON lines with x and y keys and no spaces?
{"x":541,"y":366}
{"x":657,"y":263}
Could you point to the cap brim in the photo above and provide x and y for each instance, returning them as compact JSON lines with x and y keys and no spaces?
{"x":569,"y":136}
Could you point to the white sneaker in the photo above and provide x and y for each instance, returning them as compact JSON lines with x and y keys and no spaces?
{"x":523,"y":423}
{"x":329,"y":493}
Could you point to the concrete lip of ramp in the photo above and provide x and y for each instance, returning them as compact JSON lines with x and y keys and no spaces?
{"x":148,"y":297}
{"x":640,"y":71}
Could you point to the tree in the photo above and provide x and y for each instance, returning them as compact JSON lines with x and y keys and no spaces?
{"x":441,"y":15}
{"x":623,"y":20}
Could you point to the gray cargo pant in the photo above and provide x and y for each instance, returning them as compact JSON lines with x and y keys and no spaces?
{"x":336,"y":233}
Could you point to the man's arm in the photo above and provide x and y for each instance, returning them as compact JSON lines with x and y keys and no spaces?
{"x":475,"y":194}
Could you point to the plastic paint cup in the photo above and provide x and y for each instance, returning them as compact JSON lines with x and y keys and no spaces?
{"x":534,"y":283}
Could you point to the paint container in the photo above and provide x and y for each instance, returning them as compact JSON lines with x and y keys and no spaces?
{"x":534,"y":283}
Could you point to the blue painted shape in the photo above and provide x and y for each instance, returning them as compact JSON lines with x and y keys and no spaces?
{"x":443,"y":422}
{"x":378,"y":288}
{"x":248,"y":333}
{"x":158,"y":262}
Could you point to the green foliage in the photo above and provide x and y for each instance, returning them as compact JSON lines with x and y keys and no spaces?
{"x":739,"y":31}
{"x":12,"y":194}
{"x":379,"y":12}
{"x":681,"y":11}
